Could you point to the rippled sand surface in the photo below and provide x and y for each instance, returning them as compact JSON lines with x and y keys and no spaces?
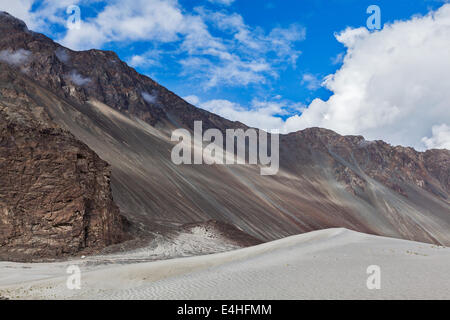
{"x":324,"y":264}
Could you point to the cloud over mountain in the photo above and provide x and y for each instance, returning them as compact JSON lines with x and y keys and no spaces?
{"x":393,"y":84}
{"x":213,"y":47}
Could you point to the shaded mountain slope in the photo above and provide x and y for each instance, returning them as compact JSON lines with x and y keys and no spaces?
{"x":325,"y":180}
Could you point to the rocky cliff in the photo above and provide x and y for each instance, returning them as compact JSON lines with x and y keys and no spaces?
{"x":55,"y":194}
{"x":93,"y":99}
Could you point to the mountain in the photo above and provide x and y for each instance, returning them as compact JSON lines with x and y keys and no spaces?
{"x":55,"y":194}
{"x":92,"y":104}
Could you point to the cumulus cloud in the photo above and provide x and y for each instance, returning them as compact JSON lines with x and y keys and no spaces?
{"x":393,"y":84}
{"x":20,"y":9}
{"x":440,"y":138}
{"x":139,"y":20}
{"x":78,"y":79}
{"x":264,"y":114}
{"x":16,"y":58}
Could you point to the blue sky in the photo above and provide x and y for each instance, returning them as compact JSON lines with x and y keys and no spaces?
{"x":320,"y":19}
{"x":319,"y":50}
{"x":264,"y":62}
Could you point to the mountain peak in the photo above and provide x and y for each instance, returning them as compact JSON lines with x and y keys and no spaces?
{"x":325,"y":180}
{"x":96,"y":74}
{"x":8,"y":21}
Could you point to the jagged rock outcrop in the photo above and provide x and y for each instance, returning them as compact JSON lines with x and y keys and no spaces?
{"x":55,"y":195}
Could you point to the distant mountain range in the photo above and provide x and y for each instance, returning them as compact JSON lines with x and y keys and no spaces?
{"x":85,"y":163}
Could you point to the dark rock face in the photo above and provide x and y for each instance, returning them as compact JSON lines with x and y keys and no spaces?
{"x":55,"y":195}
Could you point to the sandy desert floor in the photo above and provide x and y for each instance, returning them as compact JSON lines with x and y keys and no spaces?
{"x":326,"y":264}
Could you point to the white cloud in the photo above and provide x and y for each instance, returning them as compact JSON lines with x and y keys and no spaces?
{"x":282,"y":41}
{"x":338,"y":59}
{"x":62,"y":55}
{"x":393,"y":84}
{"x":16,"y":58}
{"x":78,"y":79}
{"x":139,"y":20}
{"x":440,"y":138}
{"x":311,"y":81}
{"x":232,"y":72}
{"x":19,"y":9}
{"x":148,"y":59}
{"x":150,"y":98}
{"x":192,"y":99}
{"x":222,"y":2}
{"x":264,"y":114}
{"x":251,"y":41}
{"x":260,"y":114}
{"x":241,"y":55}
{"x":48,"y":11}
{"x":240,"y":58}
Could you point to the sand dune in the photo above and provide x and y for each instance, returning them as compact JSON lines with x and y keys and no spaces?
{"x":326,"y":264}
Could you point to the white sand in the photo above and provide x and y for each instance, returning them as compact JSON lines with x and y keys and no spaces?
{"x":327,"y":264}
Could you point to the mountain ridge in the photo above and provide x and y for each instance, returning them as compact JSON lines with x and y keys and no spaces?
{"x":325,"y":180}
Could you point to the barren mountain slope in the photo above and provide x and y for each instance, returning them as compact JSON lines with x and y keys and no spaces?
{"x":325,"y":180}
